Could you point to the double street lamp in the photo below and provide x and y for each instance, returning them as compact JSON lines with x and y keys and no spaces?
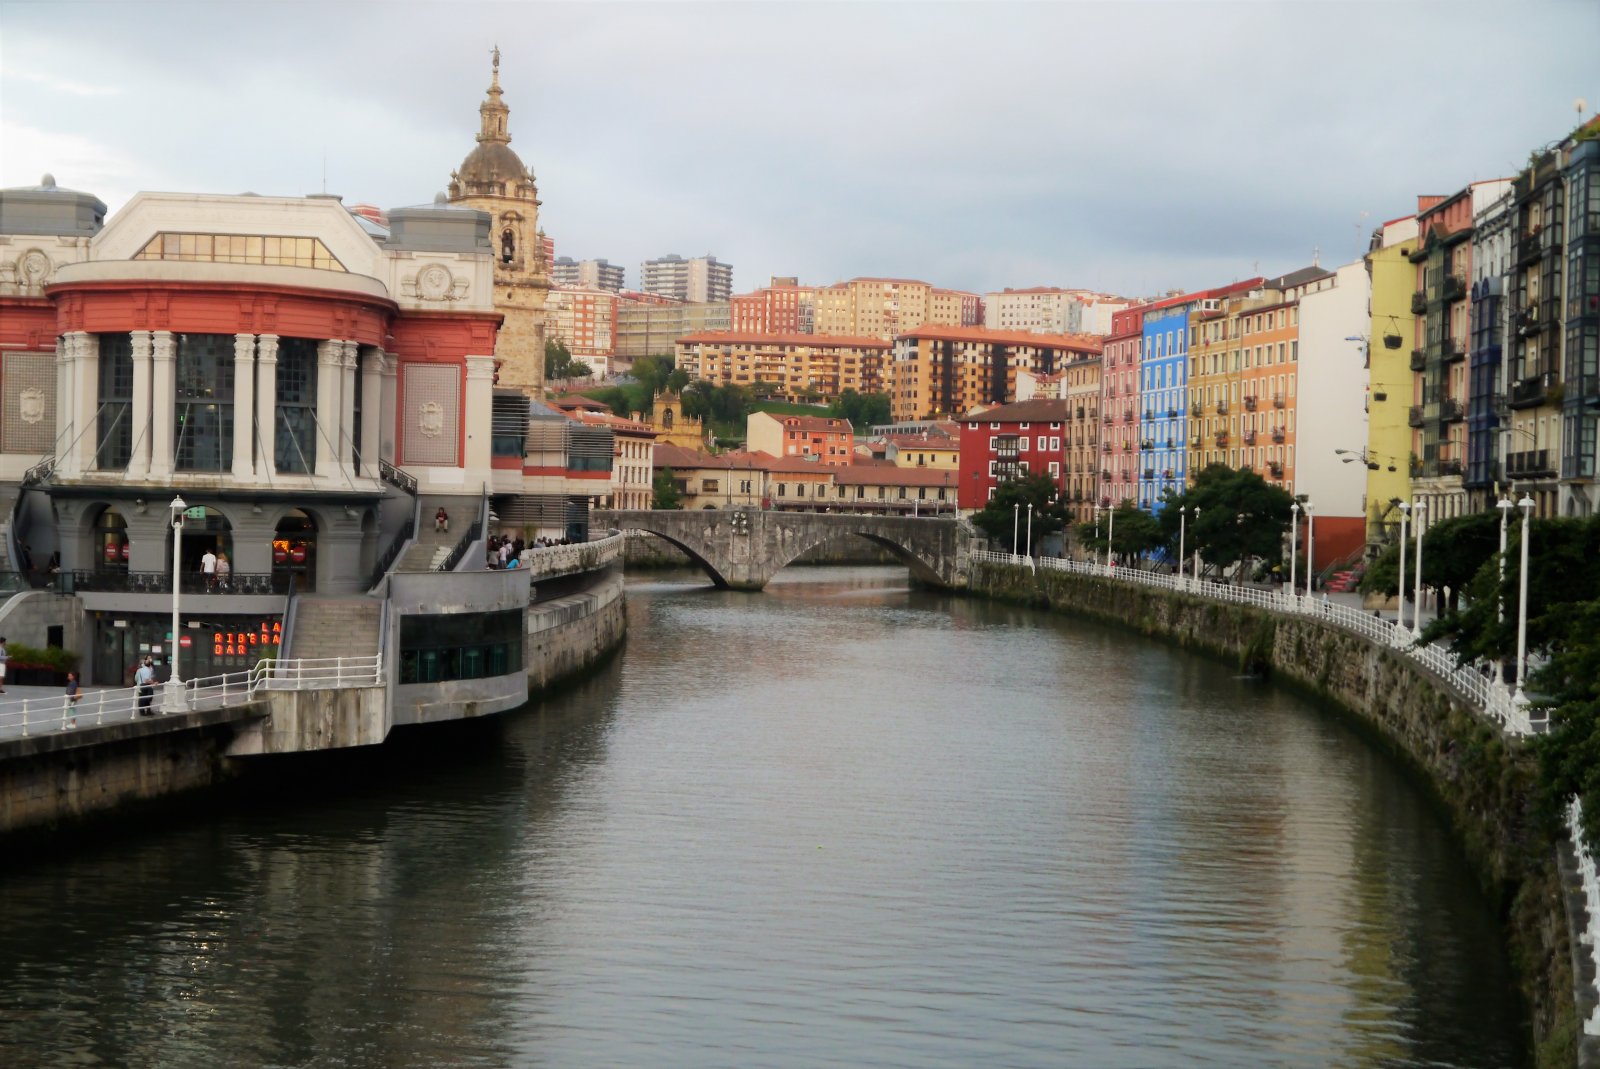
{"x":1311,"y":549}
{"x":1294,"y":543}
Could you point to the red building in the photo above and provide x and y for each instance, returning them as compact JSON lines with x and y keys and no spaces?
{"x":1010,"y":442}
{"x":773,"y":310}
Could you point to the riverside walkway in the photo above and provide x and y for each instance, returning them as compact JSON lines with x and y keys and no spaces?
{"x":1477,"y":685}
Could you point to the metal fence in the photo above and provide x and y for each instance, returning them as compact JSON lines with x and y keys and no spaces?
{"x":39,"y":716}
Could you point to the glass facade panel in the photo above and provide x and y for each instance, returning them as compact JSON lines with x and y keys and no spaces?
{"x":438,"y":648}
{"x":241,"y":249}
{"x":203,"y":412}
{"x":115,"y":431}
{"x":294,"y":437}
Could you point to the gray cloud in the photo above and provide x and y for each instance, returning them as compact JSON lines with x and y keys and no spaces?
{"x":1129,"y":146}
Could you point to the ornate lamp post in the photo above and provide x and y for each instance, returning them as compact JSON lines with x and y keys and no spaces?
{"x":1416,"y":620}
{"x":173,"y":701}
{"x":1197,"y":545}
{"x":1014,"y":508}
{"x":1030,"y":529}
{"x":1311,"y":549}
{"x":1505,"y":506}
{"x":1182,"y":510}
{"x":1521,"y":697}
{"x":1294,"y":538}
{"x":1111,"y":535}
{"x":1400,"y":600}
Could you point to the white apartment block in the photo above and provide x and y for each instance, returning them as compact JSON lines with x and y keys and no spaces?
{"x":587,"y":274}
{"x":700,"y":280}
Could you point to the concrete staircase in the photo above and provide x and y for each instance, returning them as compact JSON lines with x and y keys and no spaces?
{"x":432,"y":547}
{"x":334,"y":626}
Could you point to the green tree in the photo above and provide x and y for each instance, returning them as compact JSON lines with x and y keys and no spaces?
{"x":1454,"y":550}
{"x":560,"y":364}
{"x":665,"y":491}
{"x":1241,"y":516}
{"x":863,"y":410}
{"x":1005,"y":524}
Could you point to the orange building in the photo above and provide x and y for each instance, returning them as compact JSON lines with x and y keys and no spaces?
{"x":824,"y":440}
{"x":772,"y":310}
{"x":804,"y":367}
{"x":941,"y":371}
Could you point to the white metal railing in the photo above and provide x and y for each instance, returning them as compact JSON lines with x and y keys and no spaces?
{"x":40,"y":716}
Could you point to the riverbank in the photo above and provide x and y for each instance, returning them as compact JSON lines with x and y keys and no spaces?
{"x":1483,"y":780}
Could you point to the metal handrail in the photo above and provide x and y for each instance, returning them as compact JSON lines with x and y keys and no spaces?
{"x":472,"y":535}
{"x":37,"y":716}
{"x":392,"y":554}
{"x":396,"y":477}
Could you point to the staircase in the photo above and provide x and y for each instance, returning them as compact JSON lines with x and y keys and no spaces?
{"x":335,"y":626}
{"x":432,"y":547}
{"x":1343,"y":581}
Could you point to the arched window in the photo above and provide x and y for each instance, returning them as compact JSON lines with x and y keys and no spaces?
{"x":508,"y":245}
{"x":205,"y":531}
{"x":111,"y":542}
{"x":294,"y":553}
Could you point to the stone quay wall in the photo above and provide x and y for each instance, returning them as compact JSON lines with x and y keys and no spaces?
{"x":1483,"y":779}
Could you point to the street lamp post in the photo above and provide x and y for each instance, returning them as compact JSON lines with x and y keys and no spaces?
{"x":1197,"y":547}
{"x":1400,"y":599}
{"x":1294,"y":542}
{"x":173,"y":701}
{"x":1521,"y":697}
{"x":1097,"y":521}
{"x":1182,"y":509}
{"x":1030,"y":529}
{"x":1311,"y":549}
{"x":1014,"y":508}
{"x":1505,"y":506}
{"x":1111,"y":536}
{"x":1416,"y":612}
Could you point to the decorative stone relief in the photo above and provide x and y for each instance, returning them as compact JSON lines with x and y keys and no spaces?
{"x":27,"y":413}
{"x":435,"y":282}
{"x":431,"y":420}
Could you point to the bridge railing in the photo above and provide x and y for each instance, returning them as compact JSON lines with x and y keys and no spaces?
{"x":562,"y":560}
{"x":1476,"y":684}
{"x":23,"y":717}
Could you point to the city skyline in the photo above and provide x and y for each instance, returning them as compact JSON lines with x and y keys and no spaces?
{"x":1124,"y":147}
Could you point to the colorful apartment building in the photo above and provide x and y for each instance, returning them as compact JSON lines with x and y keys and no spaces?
{"x":1119,"y":407}
{"x":1080,"y":385}
{"x":885,"y":307}
{"x":585,"y":321}
{"x":1327,"y":422}
{"x":1580,"y":413}
{"x":1388,"y":447}
{"x":1493,"y":246}
{"x":819,"y":439}
{"x":940,"y":371}
{"x":802,"y":367}
{"x":773,"y":310}
{"x":937,"y":448}
{"x":1049,"y":310}
{"x":1010,"y":442}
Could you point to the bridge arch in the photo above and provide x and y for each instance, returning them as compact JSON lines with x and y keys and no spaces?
{"x":743,"y":548}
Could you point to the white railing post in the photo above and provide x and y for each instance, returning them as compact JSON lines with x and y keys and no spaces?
{"x":25,"y":717}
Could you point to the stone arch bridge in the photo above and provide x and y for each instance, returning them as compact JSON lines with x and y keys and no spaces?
{"x":743,"y":548}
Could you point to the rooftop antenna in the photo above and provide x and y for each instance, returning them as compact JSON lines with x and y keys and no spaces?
{"x":1316,"y":256}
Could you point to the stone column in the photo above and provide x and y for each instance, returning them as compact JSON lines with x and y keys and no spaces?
{"x":329,"y":370}
{"x":478,"y":416}
{"x":83,"y":365}
{"x":163,"y":403}
{"x":64,"y":410}
{"x":139,"y":410}
{"x":388,"y":409}
{"x":371,"y":410}
{"x":244,"y":406}
{"x":347,"y":407}
{"x":267,"y":401}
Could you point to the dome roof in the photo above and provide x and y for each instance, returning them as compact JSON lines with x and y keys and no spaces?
{"x":492,"y":161}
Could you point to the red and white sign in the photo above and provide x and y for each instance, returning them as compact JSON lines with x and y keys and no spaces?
{"x":185,"y":641}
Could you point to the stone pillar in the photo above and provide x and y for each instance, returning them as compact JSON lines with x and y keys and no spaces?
{"x":478,"y":416}
{"x":371,"y":410}
{"x":347,"y":407}
{"x":139,"y":410}
{"x":267,"y":401}
{"x":389,"y":410}
{"x":329,"y":370}
{"x":163,"y":402}
{"x":83,"y":368}
{"x":244,"y":406}
{"x":64,"y":409}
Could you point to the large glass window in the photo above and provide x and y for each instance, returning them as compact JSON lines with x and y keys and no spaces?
{"x":437,"y":648}
{"x":241,"y":249}
{"x":203,"y":413}
{"x":115,"y":431}
{"x":295,"y":441}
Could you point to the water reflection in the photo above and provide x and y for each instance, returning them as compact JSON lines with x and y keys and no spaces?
{"x":840,"y":822}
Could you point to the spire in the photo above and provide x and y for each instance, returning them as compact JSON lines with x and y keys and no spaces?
{"x":493,"y":111}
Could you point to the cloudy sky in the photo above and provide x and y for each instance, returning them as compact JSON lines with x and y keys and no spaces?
{"x":1122,"y":145}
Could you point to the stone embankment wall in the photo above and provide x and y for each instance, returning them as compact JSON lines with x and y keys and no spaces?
{"x":569,"y":634}
{"x":46,"y":780}
{"x":1484,"y":780}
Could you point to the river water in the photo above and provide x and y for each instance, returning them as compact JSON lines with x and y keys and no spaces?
{"x":838,"y":823}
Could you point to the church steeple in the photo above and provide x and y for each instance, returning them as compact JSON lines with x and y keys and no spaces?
{"x":493,"y":111}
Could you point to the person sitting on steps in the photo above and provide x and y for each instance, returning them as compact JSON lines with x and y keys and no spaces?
{"x":441,"y":520}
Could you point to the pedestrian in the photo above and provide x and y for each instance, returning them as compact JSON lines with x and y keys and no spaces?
{"x":3,"y":656}
{"x":145,"y":680}
{"x":224,"y":569}
{"x":441,"y":520}
{"x":208,"y":568}
{"x":72,"y":698}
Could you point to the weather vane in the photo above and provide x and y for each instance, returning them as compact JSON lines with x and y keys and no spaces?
{"x":496,"y":54}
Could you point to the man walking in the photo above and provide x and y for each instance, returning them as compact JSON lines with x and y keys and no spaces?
{"x":208,"y":568}
{"x":145,"y":680}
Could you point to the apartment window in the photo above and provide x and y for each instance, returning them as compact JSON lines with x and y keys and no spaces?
{"x":115,"y":429}
{"x":294,"y":438}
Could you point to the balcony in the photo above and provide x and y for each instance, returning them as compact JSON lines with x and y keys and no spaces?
{"x":1419,"y":359}
{"x":1249,"y":437}
{"x":1105,"y":473}
{"x":1419,"y":304}
{"x":1172,"y":413}
{"x":1250,"y":403}
{"x":1127,"y":417}
{"x":1222,"y":408}
{"x":1279,"y":400}
{"x":1455,"y":288}
{"x":1533,"y":390}
{"x":1194,"y":443}
{"x":1149,"y":473}
{"x":1414,"y":417}
{"x":1450,"y":351}
{"x":1107,"y":418}
{"x":189,"y":583}
{"x":1278,"y":435}
{"x":1080,"y":412}
{"x":1105,"y":447}
{"x":1275,"y":467}
{"x":1222,"y":438}
{"x":1105,"y":502}
{"x":1451,"y":411}
{"x":1197,"y":409}
{"x":1533,"y":464}
{"x":1450,"y":467}
{"x":1148,"y":443}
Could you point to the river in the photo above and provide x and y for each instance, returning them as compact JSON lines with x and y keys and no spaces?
{"x":840,"y":822}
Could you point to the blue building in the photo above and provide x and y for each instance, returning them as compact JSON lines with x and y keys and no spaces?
{"x":1163,"y":413}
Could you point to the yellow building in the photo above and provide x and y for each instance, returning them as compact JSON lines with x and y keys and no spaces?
{"x":804,"y":367}
{"x":885,"y":307}
{"x":672,"y":426}
{"x":937,"y":449}
{"x":1389,"y":383}
{"x":493,"y":179}
{"x":1080,"y":388}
